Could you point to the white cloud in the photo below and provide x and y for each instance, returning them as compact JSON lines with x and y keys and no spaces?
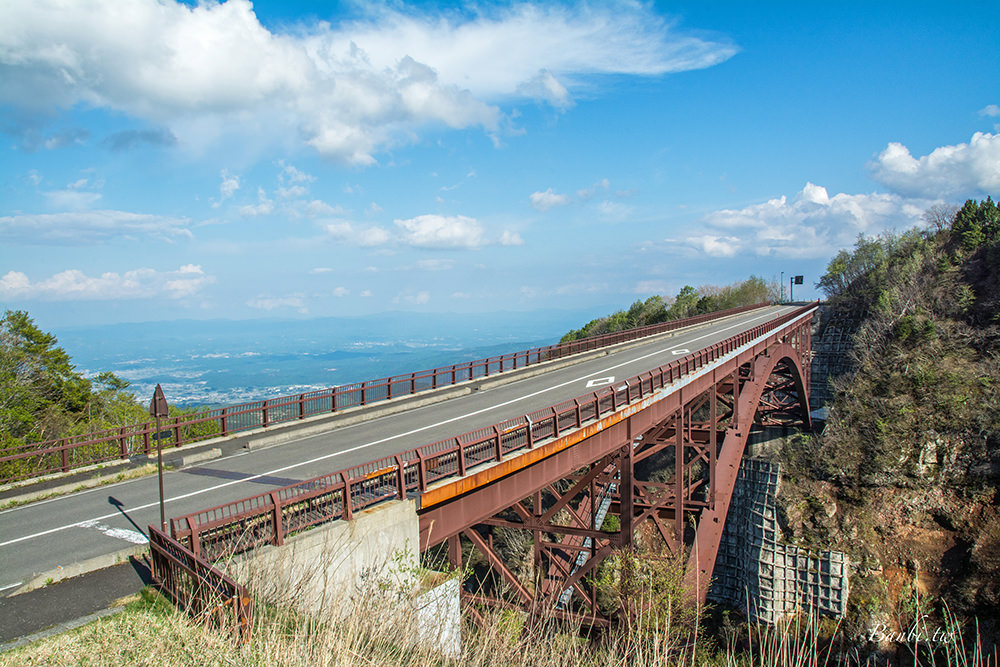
{"x":959,"y":170}
{"x":230,"y":184}
{"x":296,"y":301}
{"x":340,"y":291}
{"x":990,"y":110}
{"x":320,"y":270}
{"x":264,"y":206}
{"x":317,"y":208}
{"x":292,"y":191}
{"x":438,"y":231}
{"x":648,"y":287}
{"x":88,"y":227}
{"x":436,"y":264}
{"x":75,"y":285}
{"x":349,"y":89}
{"x":412,"y":298}
{"x":715,"y":245}
{"x":545,"y":87}
{"x":72,"y":199}
{"x":373,"y":236}
{"x":423,"y":231}
{"x":811,"y":224}
{"x":614,"y":211}
{"x":543,"y":201}
{"x":290,"y":174}
{"x":588,"y":193}
{"x":511,"y":238}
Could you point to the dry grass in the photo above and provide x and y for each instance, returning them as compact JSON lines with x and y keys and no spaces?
{"x":382,"y":626}
{"x":151,"y":633}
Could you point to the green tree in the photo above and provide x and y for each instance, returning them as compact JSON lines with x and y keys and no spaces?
{"x":686,"y":303}
{"x":37,"y":380}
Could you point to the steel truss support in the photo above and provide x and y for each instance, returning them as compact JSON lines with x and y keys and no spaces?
{"x":660,"y":479}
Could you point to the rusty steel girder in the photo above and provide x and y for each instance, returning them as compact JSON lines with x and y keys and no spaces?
{"x":694,"y":437}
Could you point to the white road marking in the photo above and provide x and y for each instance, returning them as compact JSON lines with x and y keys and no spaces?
{"x":683,"y":350}
{"x":600,"y":382}
{"x":375,"y":442}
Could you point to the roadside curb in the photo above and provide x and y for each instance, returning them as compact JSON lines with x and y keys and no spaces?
{"x":83,"y":567}
{"x":81,"y":485}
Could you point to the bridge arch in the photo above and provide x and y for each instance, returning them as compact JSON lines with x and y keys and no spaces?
{"x":704,"y":425}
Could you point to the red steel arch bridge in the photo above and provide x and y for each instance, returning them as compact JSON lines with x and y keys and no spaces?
{"x":557,"y":473}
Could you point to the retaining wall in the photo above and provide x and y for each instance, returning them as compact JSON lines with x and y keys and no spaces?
{"x":763,"y":577}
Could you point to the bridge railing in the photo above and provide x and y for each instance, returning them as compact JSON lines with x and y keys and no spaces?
{"x":122,"y":443}
{"x":269,"y":518}
{"x":197,"y":587}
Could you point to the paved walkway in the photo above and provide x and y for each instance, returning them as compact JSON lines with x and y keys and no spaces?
{"x":59,"y":605}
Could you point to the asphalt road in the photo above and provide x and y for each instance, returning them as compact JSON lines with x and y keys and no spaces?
{"x":46,"y":535}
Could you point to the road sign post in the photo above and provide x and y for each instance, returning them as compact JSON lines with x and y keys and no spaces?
{"x":158,"y":408}
{"x":792,"y":282}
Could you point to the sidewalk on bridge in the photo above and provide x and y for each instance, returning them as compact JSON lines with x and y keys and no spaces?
{"x":62,"y":606}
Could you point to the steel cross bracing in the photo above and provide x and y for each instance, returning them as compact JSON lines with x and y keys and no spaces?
{"x":693,"y":439}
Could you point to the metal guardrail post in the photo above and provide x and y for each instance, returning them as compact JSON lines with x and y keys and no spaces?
{"x":195,"y":542}
{"x":499,"y":445}
{"x":348,"y":510}
{"x":400,"y":477}
{"x":279,"y":529}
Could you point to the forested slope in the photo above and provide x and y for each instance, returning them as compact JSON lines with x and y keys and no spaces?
{"x":905,"y":476}
{"x":688,"y":302}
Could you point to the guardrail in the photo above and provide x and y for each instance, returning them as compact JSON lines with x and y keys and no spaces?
{"x":197,"y":587}
{"x":269,"y":518}
{"x":65,"y":454}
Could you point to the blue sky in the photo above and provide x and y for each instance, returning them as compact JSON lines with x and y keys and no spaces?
{"x":168,"y":160}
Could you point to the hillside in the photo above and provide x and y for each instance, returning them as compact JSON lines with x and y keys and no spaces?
{"x":905,"y":475}
{"x":688,"y":302}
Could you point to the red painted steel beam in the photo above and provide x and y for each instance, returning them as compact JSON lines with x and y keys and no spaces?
{"x":701,"y":561}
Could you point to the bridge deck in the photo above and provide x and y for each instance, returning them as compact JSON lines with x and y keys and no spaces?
{"x":40,"y":537}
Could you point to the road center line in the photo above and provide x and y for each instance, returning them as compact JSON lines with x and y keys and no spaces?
{"x":378,"y":442}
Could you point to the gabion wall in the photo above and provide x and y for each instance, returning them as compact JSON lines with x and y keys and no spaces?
{"x":763,"y":577}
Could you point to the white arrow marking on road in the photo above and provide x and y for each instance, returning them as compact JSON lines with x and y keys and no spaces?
{"x":600,"y":382}
{"x":133,"y":536}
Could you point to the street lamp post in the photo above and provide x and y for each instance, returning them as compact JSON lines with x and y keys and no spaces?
{"x":158,"y":408}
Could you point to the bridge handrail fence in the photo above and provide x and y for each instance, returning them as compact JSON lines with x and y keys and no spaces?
{"x":271,"y":517}
{"x":197,"y":587}
{"x":122,"y":443}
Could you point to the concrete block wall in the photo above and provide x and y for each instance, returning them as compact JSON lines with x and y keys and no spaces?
{"x":763,"y":577}
{"x":830,"y":346}
{"x":356,"y":567}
